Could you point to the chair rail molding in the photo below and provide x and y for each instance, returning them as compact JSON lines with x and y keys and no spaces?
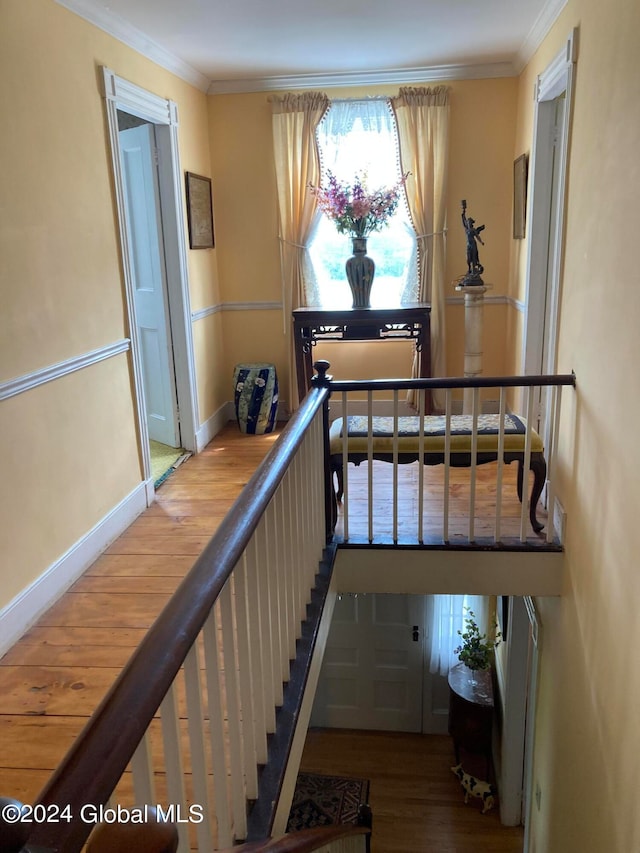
{"x":28,"y":381}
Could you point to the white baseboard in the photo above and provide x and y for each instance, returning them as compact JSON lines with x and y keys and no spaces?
{"x":20,"y":614}
{"x":211,"y":427}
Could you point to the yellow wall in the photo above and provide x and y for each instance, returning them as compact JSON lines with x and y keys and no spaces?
{"x":587,"y":737}
{"x":480,"y":170}
{"x":71,"y":448}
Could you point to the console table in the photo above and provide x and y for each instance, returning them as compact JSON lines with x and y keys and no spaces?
{"x":471,"y":710}
{"x":310,"y":325}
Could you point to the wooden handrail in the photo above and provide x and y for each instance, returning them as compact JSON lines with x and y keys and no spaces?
{"x":453,"y":382}
{"x":92,"y":767}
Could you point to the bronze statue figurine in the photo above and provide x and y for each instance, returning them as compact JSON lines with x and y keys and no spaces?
{"x":474,"y":267}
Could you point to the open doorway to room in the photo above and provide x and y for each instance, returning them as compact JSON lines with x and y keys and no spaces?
{"x":549,"y":163}
{"x":148,"y":185}
{"x":141,"y":180}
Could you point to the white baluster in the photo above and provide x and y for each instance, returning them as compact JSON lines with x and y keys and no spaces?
{"x":215,"y":705}
{"x":447,"y":464}
{"x":524,"y":512}
{"x":196,"y":739}
{"x":142,"y":768}
{"x":234,"y":722}
{"x":246,"y":666}
{"x":395,"y":466}
{"x":474,"y":465}
{"x":500,"y":471}
{"x":174,"y":769}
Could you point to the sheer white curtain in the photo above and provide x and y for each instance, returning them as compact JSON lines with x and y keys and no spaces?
{"x":360,"y":137}
{"x":448,"y":617}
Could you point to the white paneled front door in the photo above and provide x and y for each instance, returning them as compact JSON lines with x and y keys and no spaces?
{"x":372,"y":674}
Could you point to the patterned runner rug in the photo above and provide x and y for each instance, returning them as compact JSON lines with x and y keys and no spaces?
{"x":326,"y":800}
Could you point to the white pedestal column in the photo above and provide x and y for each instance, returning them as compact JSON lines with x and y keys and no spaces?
{"x":473,"y":324}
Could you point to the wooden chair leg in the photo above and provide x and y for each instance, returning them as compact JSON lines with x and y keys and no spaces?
{"x":539,"y":467}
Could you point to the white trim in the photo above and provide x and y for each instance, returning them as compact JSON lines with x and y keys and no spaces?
{"x":18,"y":616}
{"x":28,"y":381}
{"x":543,"y":235}
{"x":123,"y":31}
{"x":251,"y":306}
{"x":121,"y":94}
{"x":546,"y":19}
{"x":211,"y":427}
{"x":201,"y":313}
{"x":400,"y":76}
{"x":304,"y":714}
{"x":488,"y":300}
{"x":518,"y":304}
{"x":530,"y":732}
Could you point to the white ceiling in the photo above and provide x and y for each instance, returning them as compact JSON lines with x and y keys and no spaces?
{"x":243,"y":45}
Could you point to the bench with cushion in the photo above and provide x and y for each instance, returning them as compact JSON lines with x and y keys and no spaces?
{"x":514,"y":437}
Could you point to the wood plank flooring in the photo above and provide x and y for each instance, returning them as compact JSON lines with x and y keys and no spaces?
{"x":53,"y":678}
{"x":417,"y":802}
{"x":485,"y":503}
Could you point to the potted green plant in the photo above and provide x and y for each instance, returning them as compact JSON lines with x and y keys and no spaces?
{"x":476,"y":651}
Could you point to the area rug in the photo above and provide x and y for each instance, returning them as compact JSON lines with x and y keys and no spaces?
{"x":164,"y":460}
{"x":326,"y":800}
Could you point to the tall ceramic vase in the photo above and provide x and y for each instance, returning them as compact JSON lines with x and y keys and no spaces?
{"x":360,"y":271}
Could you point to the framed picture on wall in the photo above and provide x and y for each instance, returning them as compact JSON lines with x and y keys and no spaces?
{"x":199,"y":211}
{"x":519,"y":196}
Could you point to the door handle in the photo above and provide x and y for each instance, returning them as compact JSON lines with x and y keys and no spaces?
{"x":416,"y":633}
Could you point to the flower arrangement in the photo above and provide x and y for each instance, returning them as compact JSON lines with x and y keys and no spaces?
{"x":476,"y":651}
{"x":354,"y":209}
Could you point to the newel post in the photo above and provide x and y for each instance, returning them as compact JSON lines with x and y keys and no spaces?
{"x":323,"y":380}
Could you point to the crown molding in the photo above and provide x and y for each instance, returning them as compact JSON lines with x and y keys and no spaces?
{"x":115,"y":26}
{"x":121,"y":30}
{"x":546,"y":19}
{"x":398,"y":76}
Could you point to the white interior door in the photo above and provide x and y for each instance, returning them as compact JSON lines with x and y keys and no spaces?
{"x":140,"y":173}
{"x":372,"y":673}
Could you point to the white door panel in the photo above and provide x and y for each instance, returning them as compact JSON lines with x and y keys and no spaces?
{"x":137,"y":146}
{"x":372,"y":672}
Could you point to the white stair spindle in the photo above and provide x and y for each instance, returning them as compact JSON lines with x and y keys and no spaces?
{"x":174,"y":768}
{"x":500,"y":469}
{"x":198,"y":754}
{"x":234,"y":721}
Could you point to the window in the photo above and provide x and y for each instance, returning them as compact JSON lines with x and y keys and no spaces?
{"x":359,"y":137}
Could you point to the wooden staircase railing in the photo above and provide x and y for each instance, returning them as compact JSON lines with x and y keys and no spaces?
{"x":204,"y":696}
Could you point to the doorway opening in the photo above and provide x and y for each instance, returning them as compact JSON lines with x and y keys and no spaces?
{"x":149,"y":196}
{"x":549,"y":162}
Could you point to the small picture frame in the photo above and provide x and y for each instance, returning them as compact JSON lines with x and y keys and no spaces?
{"x":519,"y":196}
{"x":199,"y":211}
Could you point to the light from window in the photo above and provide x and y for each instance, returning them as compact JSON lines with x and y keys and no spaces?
{"x":359,"y":137}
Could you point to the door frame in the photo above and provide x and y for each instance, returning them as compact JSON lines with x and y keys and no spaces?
{"x":120,"y":94}
{"x":545,"y":250}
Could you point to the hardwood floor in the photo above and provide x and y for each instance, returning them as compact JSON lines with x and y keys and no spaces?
{"x":53,"y":678}
{"x":459,"y":502}
{"x":417,"y":802}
